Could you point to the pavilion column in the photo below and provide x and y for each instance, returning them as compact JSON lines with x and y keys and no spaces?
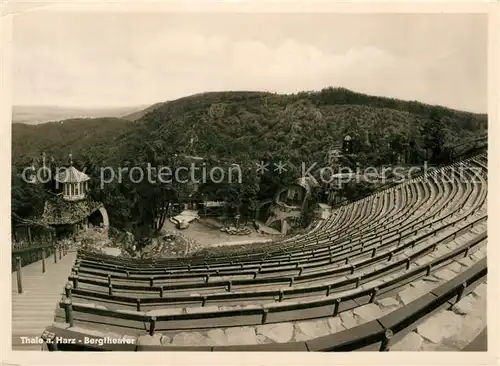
{"x":29,"y":235}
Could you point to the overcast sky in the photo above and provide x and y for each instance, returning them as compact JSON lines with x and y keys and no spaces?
{"x":93,"y":59}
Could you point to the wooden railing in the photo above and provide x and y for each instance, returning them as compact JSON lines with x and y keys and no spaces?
{"x":41,"y":253}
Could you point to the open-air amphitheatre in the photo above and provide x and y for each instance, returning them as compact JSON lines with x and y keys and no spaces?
{"x":263,"y":265}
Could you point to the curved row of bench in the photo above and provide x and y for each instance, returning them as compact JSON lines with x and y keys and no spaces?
{"x":348,"y":219}
{"x":377,"y":335}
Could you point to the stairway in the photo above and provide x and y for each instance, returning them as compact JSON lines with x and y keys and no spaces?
{"x":33,"y":310}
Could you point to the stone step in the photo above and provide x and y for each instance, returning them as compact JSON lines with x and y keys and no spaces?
{"x":23,"y":308}
{"x":40,"y":295}
{"x":44,"y":300}
{"x":33,"y":312}
{"x":29,"y":332}
{"x":26,"y":314}
{"x":25,"y":332}
{"x":35,"y":304}
{"x":33,"y":299}
{"x":27,"y":323}
{"x":49,"y":282}
{"x":20,"y":341}
{"x":39,"y":288}
{"x":42,"y":291}
{"x":30,"y":347}
{"x":30,"y":307}
{"x":22,"y":327}
{"x":27,"y":347}
{"x":47,"y":278}
{"x":34,"y":323}
{"x":34,"y":309}
{"x":39,"y":292}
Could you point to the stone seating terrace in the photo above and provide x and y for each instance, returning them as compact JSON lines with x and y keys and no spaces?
{"x":361,"y":273}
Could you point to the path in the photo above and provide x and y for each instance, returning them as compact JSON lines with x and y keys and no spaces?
{"x":33,"y":310}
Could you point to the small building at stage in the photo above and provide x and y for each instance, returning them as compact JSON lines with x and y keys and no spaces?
{"x":71,"y":210}
{"x":286,"y":208}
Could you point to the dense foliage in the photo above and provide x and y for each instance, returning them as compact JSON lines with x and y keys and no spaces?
{"x":58,"y":139}
{"x":244,"y":128}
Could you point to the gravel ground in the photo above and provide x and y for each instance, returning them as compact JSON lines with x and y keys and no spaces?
{"x":210,"y":237}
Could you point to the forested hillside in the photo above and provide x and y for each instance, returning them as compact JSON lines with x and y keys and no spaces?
{"x":57,"y":139}
{"x":244,"y":127}
{"x":240,"y":125}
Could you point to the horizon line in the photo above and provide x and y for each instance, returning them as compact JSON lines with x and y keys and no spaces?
{"x":149,"y":104}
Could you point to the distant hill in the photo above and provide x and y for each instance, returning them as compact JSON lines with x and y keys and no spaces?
{"x":42,"y":114}
{"x":78,"y":136}
{"x":134,"y":116}
{"x":301,"y":127}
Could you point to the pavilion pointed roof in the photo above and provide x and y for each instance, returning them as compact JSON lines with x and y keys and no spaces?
{"x":71,"y":175}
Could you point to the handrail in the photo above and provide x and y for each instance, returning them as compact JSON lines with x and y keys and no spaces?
{"x":32,"y":249}
{"x":26,"y":256}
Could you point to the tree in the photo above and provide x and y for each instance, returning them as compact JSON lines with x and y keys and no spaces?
{"x":162,"y":181}
{"x":433,"y":132}
{"x":27,"y":199}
